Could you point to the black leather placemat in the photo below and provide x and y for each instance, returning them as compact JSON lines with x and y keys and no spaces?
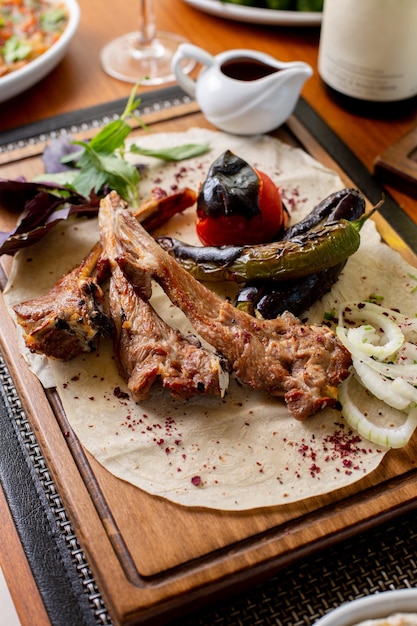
{"x":383,"y":559}
{"x":57,"y":561}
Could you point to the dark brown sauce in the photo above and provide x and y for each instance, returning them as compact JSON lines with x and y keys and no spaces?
{"x":245,"y":68}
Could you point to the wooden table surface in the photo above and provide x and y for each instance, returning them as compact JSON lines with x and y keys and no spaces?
{"x":79,"y":82}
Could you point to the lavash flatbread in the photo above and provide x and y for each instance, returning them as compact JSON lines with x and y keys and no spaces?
{"x":243,"y":451}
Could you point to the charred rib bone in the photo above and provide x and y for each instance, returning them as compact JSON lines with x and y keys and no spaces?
{"x":67,"y":321}
{"x":145,"y":347}
{"x":284,"y":357}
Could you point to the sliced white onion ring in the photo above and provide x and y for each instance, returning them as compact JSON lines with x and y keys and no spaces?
{"x":405,"y":389}
{"x":381,"y":386}
{"x":354,"y":310}
{"x":408,"y":353}
{"x":396,"y":435}
{"x":395,"y":370}
{"x":384,"y":357}
{"x":404,"y":367}
{"x":382,"y":321}
{"x":408,"y":325}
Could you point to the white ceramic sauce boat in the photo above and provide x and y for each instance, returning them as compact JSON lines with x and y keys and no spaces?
{"x":244,"y":92}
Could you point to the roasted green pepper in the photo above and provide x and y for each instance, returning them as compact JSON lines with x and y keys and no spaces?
{"x":281,"y":260}
{"x":269,"y":299}
{"x":319,"y":248}
{"x":347,"y":203}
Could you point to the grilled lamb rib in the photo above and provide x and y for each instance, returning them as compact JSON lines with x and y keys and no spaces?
{"x":303,"y":363}
{"x":145,"y":347}
{"x":68,"y":320}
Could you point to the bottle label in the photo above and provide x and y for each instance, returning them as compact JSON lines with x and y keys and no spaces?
{"x":368,"y":48}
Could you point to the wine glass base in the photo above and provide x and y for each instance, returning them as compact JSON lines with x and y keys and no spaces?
{"x":125,"y":59}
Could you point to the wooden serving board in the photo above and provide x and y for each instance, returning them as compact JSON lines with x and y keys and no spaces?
{"x":153,"y":559}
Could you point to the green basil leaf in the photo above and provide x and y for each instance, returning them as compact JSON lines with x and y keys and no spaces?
{"x":120,"y":168}
{"x":98,"y":169}
{"x":88,"y":179}
{"x":59,"y":178}
{"x":111,"y":137}
{"x":177,"y":153}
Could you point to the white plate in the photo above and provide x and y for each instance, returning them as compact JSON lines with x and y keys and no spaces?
{"x":18,"y":81}
{"x":255,"y":15}
{"x":376,"y":606}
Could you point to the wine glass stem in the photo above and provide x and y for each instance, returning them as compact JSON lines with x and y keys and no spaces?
{"x":145,"y":54}
{"x":147,"y":27}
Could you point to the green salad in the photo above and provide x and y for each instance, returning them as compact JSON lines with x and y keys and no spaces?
{"x":28,"y":29}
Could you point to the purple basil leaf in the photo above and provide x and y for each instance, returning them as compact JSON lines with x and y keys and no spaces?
{"x":37,"y":211}
{"x":55,"y":151}
{"x":15,"y":193}
{"x":10,"y":243}
{"x":41,"y":207}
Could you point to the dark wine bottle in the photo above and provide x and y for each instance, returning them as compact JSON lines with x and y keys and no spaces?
{"x":368,"y":55}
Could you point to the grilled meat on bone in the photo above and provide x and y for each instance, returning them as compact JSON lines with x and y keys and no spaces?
{"x":303,"y":363}
{"x":68,"y":320}
{"x":147,"y":349}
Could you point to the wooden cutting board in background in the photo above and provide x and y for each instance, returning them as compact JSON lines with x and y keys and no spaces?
{"x":151,"y":558}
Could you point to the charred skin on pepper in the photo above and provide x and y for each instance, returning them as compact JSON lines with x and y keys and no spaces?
{"x":322,"y":247}
{"x":269,"y":299}
{"x":347,"y":203}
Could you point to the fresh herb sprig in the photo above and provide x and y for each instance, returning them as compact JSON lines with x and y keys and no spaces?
{"x":101,"y":162}
{"x":77,"y":174}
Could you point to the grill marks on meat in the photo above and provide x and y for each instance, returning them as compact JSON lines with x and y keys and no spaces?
{"x":303,"y":363}
{"x":66,"y":321}
{"x":284,"y":357}
{"x":145,"y":347}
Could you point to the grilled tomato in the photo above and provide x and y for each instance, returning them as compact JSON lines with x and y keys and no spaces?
{"x":238,"y":205}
